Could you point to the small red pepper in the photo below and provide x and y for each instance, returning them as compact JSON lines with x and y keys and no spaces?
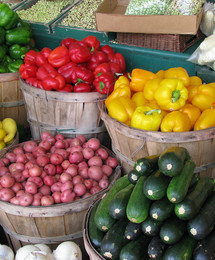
{"x":97,"y":58}
{"x":118,"y":58}
{"x":105,"y":67}
{"x":42,"y":56}
{"x":66,"y":88}
{"x":67,"y":41}
{"x":82,"y":87}
{"x":104,"y":84}
{"x":59,"y":56}
{"x":34,"y":82}
{"x":82,"y":74}
{"x":92,"y":42}
{"x":45,"y":71}
{"x":67,"y":70}
{"x":50,"y":83}
{"x":30,"y":57}
{"x":107,"y":49}
{"x":27,"y":70}
{"x":79,"y":52}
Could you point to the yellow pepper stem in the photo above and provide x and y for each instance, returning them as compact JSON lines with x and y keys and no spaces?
{"x":152,"y":111}
{"x":175,"y":95}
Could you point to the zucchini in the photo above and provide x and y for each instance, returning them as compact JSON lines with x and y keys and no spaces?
{"x":103,"y":220}
{"x":133,"y":230}
{"x":156,"y":185}
{"x":205,"y":249}
{"x":146,"y":165}
{"x":133,"y":176}
{"x":156,"y":247}
{"x":161,"y":209}
{"x":189,"y":207}
{"x":114,"y":240}
{"x":150,"y":227}
{"x":204,"y":222}
{"x":194,"y":181}
{"x":137,"y":209}
{"x":172,"y":160}
{"x":182,"y":250}
{"x":135,"y":249}
{"x":172,"y":230}
{"x":179,"y":185}
{"x":117,"y":206}
{"x":95,"y":234}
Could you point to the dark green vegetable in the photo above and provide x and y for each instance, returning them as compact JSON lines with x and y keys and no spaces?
{"x":3,"y":51}
{"x":146,"y":165}
{"x":172,"y":160}
{"x":179,"y":184}
{"x":15,"y":65}
{"x":18,"y":35}
{"x":17,"y":51}
{"x":8,"y":18}
{"x":2,"y":35}
{"x":151,"y":227}
{"x":133,"y":230}
{"x":156,"y":247}
{"x":133,"y":176}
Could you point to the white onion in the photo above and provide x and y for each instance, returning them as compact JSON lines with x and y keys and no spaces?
{"x":67,"y":251}
{"x":44,"y":248}
{"x":6,"y":253}
{"x":22,"y":252}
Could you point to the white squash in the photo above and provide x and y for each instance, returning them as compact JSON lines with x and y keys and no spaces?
{"x":6,"y":253}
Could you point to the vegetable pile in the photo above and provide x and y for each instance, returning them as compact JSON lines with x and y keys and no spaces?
{"x":160,"y":210}
{"x":54,"y":170}
{"x":168,"y":101}
{"x":15,"y":40}
{"x":74,"y":66}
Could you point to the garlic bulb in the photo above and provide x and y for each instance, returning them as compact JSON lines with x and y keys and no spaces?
{"x":6,"y":253}
{"x":67,"y":251}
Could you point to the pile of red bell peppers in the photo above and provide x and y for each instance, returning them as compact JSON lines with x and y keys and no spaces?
{"x":74,"y":66}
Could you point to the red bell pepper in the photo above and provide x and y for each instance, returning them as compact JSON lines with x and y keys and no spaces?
{"x":82,"y":74}
{"x":66,"y":88}
{"x":45,"y":71}
{"x":82,"y":87}
{"x":67,"y":41}
{"x":79,"y":52}
{"x":59,"y":56}
{"x":105,"y":67}
{"x":34,"y":82}
{"x":104,"y":84}
{"x":118,"y":58}
{"x":67,"y":70}
{"x":30,"y":57}
{"x":27,"y":70}
{"x":50,"y":83}
{"x":107,"y":50}
{"x":97,"y":58}
{"x":92,"y":42}
{"x":42,"y":56}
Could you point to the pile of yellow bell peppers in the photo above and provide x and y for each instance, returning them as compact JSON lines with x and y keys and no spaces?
{"x":168,"y":101}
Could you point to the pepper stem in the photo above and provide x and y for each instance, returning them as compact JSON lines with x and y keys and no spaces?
{"x":150,"y":112}
{"x":175,"y":95}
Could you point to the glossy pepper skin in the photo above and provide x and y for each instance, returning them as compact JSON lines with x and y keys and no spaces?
{"x":82,"y":88}
{"x":59,"y":56}
{"x":2,"y":35}
{"x":96,"y":59}
{"x":146,"y":118}
{"x":34,"y":82}
{"x":206,"y":119}
{"x":106,"y":67}
{"x":121,"y":80}
{"x":192,"y":111}
{"x":178,"y":73}
{"x":3,"y":51}
{"x":15,"y":65}
{"x":171,"y":94}
{"x":139,"y":77}
{"x":30,"y":57}
{"x":53,"y":83}
{"x":81,"y":74}
{"x":17,"y":51}
{"x":67,"y":71}
{"x":42,"y":56}
{"x":79,"y":52}
{"x":203,"y":96}
{"x":104,"y":84}
{"x":92,"y":42}
{"x":8,"y":18}
{"x":46,"y":70}
{"x":176,"y":121}
{"x":67,"y":41}
{"x":18,"y":35}
{"x":27,"y":70}
{"x":150,"y":88}
{"x":139,"y":99}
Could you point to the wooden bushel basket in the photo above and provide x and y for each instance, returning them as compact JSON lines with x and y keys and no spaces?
{"x":130,"y":144}
{"x":71,"y":114}
{"x":15,"y":141}
{"x":11,"y":102}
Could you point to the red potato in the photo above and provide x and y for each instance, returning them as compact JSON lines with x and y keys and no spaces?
{"x":18,"y":150}
{"x":56,"y":158}
{"x":66,"y":143}
{"x":57,"y":197}
{"x":68,"y":185}
{"x":38,"y":195}
{"x":18,"y":176}
{"x":14,"y":200}
{"x":38,"y":150}
{"x":95,"y":173}
{"x":16,"y":167}
{"x":20,"y":192}
{"x":62,"y":152}
{"x":67,"y":196}
{"x":77,"y":179}
{"x":95,"y":183}
{"x":45,"y":190}
{"x":83,"y":172}
{"x":95,"y":161}
{"x":102,"y":153}
{"x":47,"y":200}
{"x":35,"y":171}
{"x":76,"y":157}
{"x":87,"y":194}
{"x":88,"y":153}
{"x":76,"y":148}
{"x":45,"y":144}
{"x":7,"y":181}
{"x":103,"y":183}
{"x":111,"y":161}
{"x":11,"y":157}
{"x":29,"y":146}
{"x":95,"y":189}
{"x":31,"y":187}
{"x":75,"y":141}
{"x":56,"y":187}
{"x":44,"y":174}
{"x":93,"y":143}
{"x":50,"y":169}
{"x":65,"y":164}
{"x":48,"y":137}
{"x":88,"y":183}
{"x":29,"y":165}
{"x":82,"y":138}
{"x":64,"y":177}
{"x":29,"y":156}
{"x":36,"y":202}
{"x":82,"y":164}
{"x":53,"y":148}
{"x":37,"y":180}
{"x":80,"y":189}
{"x":72,"y":170}
{"x":25,"y":173}
{"x":42,"y":160}
{"x":21,"y":158}
{"x":107,"y":170}
{"x":5,"y":161}
{"x":59,"y":137}
{"x":48,"y":180}
{"x":16,"y":187}
{"x":1,"y":164}
{"x":25,"y":199}
{"x":59,"y":169}
{"x":60,"y":144}
{"x":3,"y":170}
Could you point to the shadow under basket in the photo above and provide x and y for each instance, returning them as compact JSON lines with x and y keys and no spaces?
{"x":165,"y":42}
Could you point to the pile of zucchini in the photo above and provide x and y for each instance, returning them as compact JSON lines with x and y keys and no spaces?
{"x":161,"y":210}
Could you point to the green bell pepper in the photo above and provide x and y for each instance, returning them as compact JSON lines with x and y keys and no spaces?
{"x":2,"y":35}
{"x":14,"y":65}
{"x":8,"y":18}
{"x":25,"y":25}
{"x":18,"y":35}
{"x":3,"y":68}
{"x":3,"y":51}
{"x":17,"y":51}
{"x":7,"y":59}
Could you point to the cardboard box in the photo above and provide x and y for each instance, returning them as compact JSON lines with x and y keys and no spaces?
{"x":110,"y":18}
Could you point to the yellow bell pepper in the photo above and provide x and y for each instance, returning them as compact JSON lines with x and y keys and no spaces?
{"x":121,"y":80}
{"x":160,"y":74}
{"x":195,"y":81}
{"x":121,"y":108}
{"x":176,"y":121}
{"x":171,"y":94}
{"x":192,"y":112}
{"x":138,"y":98}
{"x":206,"y":119}
{"x":150,"y":88}
{"x":139,"y":77}
{"x":122,"y":90}
{"x":204,"y":96}
{"x":178,"y":73}
{"x":146,"y":118}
